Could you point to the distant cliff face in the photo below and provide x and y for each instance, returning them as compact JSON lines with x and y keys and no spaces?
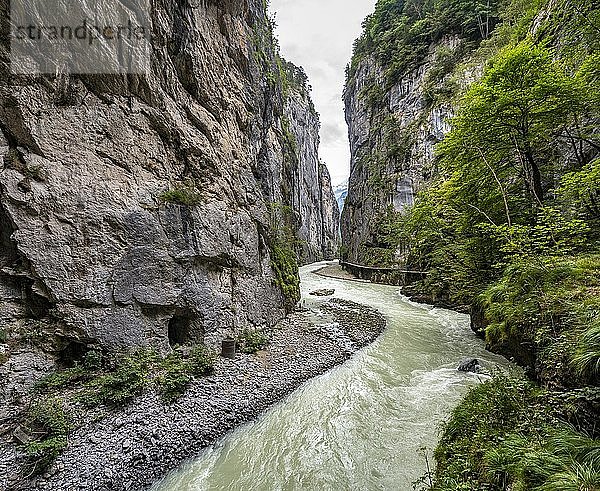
{"x":398,"y":102}
{"x":312,"y":198}
{"x":138,"y":210}
{"x":392,"y":139}
{"x":341,"y":193}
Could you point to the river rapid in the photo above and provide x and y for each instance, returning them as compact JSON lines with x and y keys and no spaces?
{"x":361,"y":425}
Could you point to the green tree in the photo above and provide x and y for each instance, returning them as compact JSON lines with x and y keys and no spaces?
{"x":508,"y":121}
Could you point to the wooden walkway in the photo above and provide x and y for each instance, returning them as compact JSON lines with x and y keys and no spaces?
{"x":396,"y":276}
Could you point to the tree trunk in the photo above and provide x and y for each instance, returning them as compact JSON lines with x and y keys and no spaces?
{"x":533,"y":177}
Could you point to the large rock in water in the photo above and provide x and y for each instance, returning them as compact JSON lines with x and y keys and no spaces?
{"x":469,"y":365}
{"x":89,"y":252}
{"x":322,"y":293}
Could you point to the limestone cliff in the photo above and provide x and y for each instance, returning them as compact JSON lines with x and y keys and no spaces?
{"x":312,"y":199}
{"x":406,"y":70}
{"x":392,"y":138}
{"x":139,"y":210}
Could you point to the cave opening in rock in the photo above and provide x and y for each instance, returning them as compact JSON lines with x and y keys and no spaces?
{"x":73,"y":352}
{"x":179,"y":330}
{"x":8,"y":250}
{"x":38,"y":306}
{"x":185,"y":328}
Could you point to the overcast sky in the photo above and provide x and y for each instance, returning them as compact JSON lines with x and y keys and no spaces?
{"x":318,"y":35}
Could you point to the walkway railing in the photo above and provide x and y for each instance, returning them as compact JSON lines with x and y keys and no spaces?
{"x":396,"y":276}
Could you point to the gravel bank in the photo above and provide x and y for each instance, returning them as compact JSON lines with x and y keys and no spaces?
{"x":137,"y":445}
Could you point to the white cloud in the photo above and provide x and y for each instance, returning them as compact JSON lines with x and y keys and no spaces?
{"x":318,"y":35}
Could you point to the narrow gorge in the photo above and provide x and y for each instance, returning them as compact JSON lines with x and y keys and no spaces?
{"x":191,"y":298}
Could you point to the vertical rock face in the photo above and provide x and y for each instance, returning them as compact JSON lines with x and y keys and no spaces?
{"x":313,"y":200}
{"x":136,"y":210}
{"x":392,"y":138}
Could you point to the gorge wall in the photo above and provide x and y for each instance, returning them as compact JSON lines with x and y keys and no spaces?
{"x":398,"y":104}
{"x":143,"y":210}
{"x":392,"y":138}
{"x":313,"y":202}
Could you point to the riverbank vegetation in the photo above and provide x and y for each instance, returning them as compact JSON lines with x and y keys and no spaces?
{"x":511,"y":228}
{"x":512,"y":224}
{"x":511,"y":434}
{"x":98,"y":383}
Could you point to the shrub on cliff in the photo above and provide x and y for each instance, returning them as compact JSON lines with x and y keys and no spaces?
{"x":284,"y":246}
{"x":285,"y":266}
{"x":184,"y":193}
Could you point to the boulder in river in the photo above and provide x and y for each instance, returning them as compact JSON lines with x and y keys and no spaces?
{"x":322,"y":293}
{"x":469,"y":365}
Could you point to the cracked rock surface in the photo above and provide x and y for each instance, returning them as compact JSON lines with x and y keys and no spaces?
{"x":89,"y":249}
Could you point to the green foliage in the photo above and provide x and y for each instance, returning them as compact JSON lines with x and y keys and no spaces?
{"x":574,"y":27}
{"x":175,"y":378}
{"x":437,"y":87}
{"x":201,"y":361}
{"x":124,"y":383}
{"x":399,"y":33}
{"x":382,"y":250}
{"x":586,"y":359}
{"x":49,"y":422}
{"x":253,"y":340}
{"x":50,"y":417}
{"x":543,"y":281}
{"x":552,"y":306}
{"x":285,"y":266}
{"x":44,"y":452}
{"x":552,"y":234}
{"x":506,"y":435}
{"x":69,"y":377}
{"x":580,"y":194}
{"x":111,"y":381}
{"x":512,"y":224}
{"x":564,"y":460}
{"x":294,"y":78}
{"x":481,"y":421}
{"x":509,"y":120}
{"x":3,"y":336}
{"x":494,"y":201}
{"x":285,"y":249}
{"x":185,"y":194}
{"x":93,"y":360}
{"x":177,"y":371}
{"x":373,"y":94}
{"x":289,"y":140}
{"x":60,"y":379}
{"x":516,"y":18}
